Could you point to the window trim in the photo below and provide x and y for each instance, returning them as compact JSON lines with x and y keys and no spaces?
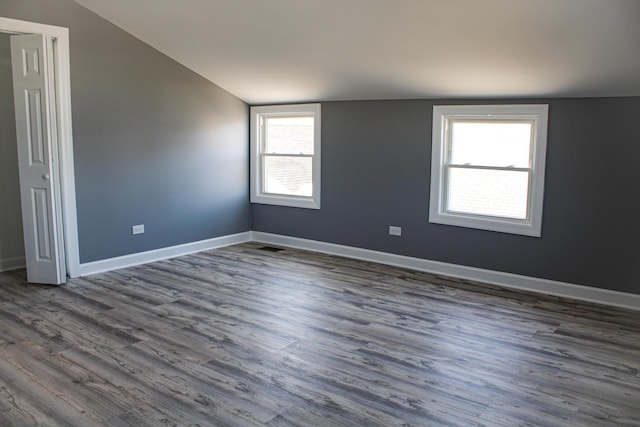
{"x":257,"y":195}
{"x":442,"y":114}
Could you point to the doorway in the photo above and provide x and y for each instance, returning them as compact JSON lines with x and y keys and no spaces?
{"x":58,"y":56}
{"x":11,"y":238}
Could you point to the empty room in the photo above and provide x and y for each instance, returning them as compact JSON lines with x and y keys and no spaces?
{"x":319,"y":213}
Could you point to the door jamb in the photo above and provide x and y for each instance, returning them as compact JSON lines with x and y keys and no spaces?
{"x":65,"y":166}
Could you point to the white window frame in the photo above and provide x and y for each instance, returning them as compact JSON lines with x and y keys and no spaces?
{"x":442,"y":116}
{"x":258,"y":195}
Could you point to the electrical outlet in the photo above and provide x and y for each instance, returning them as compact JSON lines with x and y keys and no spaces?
{"x":137,"y":229}
{"x":395,"y":231}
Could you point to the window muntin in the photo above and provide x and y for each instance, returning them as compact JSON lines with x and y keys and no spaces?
{"x":285,"y":145}
{"x":287,"y":155}
{"x":488,"y":167}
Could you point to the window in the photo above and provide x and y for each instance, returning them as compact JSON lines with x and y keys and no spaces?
{"x":487,"y":168}
{"x":285,"y":155}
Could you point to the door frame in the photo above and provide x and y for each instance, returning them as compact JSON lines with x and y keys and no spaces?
{"x":65,"y":167}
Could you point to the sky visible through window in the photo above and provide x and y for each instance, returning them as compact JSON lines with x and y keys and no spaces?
{"x":491,"y":144}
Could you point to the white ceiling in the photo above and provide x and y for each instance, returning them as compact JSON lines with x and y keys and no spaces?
{"x":268,"y":51}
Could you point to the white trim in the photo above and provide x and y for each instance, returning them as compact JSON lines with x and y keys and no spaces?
{"x":65,"y":140}
{"x":12,"y":263}
{"x":163,"y":253}
{"x":440,"y":140}
{"x":507,"y":280}
{"x":256,"y":182}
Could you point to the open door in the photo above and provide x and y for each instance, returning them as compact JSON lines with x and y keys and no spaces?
{"x":37,"y":156}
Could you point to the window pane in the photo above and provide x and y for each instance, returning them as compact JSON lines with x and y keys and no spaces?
{"x":291,"y":176}
{"x":488,"y":192}
{"x":490,"y":143}
{"x":289,"y":135}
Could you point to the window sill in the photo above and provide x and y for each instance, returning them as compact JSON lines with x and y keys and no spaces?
{"x":286,"y":201}
{"x":501,"y":225}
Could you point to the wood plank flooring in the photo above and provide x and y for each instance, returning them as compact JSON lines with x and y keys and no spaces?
{"x":244,"y":336}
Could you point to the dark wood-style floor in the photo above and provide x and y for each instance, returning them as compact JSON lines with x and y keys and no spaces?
{"x":248,"y":336}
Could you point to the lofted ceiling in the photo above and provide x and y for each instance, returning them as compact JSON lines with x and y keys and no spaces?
{"x":274,"y":51}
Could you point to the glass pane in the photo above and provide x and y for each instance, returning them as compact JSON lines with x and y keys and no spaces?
{"x":488,"y":192}
{"x":490,"y":143}
{"x":289,"y":135}
{"x":288,"y":175}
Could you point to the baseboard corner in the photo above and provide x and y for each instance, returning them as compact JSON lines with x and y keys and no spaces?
{"x":14,"y":263}
{"x":131,"y":260}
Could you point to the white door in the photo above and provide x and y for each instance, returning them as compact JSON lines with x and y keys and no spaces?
{"x":37,"y":149}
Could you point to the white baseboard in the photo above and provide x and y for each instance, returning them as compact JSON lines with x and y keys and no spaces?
{"x":507,"y":280}
{"x":160,"y":254}
{"x":12,"y":263}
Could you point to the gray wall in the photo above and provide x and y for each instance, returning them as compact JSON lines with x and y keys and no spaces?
{"x":376,"y":169}
{"x":157,"y":144}
{"x":11,"y":242}
{"x":154,"y":143}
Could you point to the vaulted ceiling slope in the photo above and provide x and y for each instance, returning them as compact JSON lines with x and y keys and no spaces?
{"x":268,"y":51}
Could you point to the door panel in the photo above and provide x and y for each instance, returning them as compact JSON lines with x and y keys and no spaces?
{"x":37,"y":139}
{"x":40,"y":213}
{"x":34,"y":127}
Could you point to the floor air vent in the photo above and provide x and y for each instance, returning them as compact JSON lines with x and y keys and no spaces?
{"x":271,"y":249}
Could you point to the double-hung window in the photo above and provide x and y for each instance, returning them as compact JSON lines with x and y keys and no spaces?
{"x":487,"y":168}
{"x":285,"y":155}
